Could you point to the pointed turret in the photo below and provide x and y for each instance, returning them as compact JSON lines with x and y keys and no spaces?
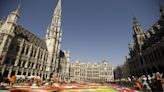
{"x":13,"y":16}
{"x":130,"y":46}
{"x":17,"y":10}
{"x":3,"y":19}
{"x":162,"y":11}
{"x":138,"y":35}
{"x":7,"y":29}
{"x":48,"y":32}
{"x":10,"y":21}
{"x":137,"y":27}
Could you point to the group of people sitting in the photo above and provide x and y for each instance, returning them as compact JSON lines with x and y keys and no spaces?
{"x":6,"y":82}
{"x":36,"y":81}
{"x":146,"y":83}
{"x":154,"y":83}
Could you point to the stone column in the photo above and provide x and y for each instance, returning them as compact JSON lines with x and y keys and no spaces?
{"x":67,"y":61}
{"x":53,"y":64}
{"x":40,"y":58}
{"x":41,"y":54}
{"x":35,"y":73}
{"x":48,"y":63}
{"x":4,"y":47}
{"x":42,"y":75}
{"x":161,"y":53}
{"x":22,"y":71}
{"x":54,"y":74}
{"x":39,"y":72}
{"x":153,"y":54}
{"x":56,"y":64}
{"x":45,"y":75}
{"x":10,"y":70}
{"x":36,"y":58}
{"x":30,"y":65}
{"x":21,"y":65}
{"x":156,"y":55}
{"x":3,"y":69}
{"x":27,"y":71}
{"x":42,"y":61}
{"x":151,"y":70}
{"x":56,"y":44}
{"x":29,"y":52}
{"x":19,"y":53}
{"x":17,"y":69}
{"x":32,"y":72}
{"x":48,"y":74}
{"x":149,"y":58}
{"x":25,"y":49}
{"x":59,"y":42}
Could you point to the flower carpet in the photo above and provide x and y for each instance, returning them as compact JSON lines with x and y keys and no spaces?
{"x":74,"y":87}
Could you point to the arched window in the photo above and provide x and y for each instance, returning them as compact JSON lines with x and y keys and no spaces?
{"x":27,"y":50}
{"x":1,"y":38}
{"x":19,"y":63}
{"x":7,"y":61}
{"x":22,"y":50}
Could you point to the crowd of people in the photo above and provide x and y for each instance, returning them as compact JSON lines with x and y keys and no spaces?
{"x":146,"y":83}
{"x":35,"y":81}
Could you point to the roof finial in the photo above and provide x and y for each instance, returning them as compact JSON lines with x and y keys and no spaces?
{"x":19,"y":6}
{"x":58,"y":4}
{"x":3,"y":18}
{"x":17,"y":10}
{"x":134,"y":18}
{"x":161,"y":7}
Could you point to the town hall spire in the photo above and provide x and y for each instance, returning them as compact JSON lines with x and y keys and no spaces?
{"x":53,"y":39}
{"x":56,"y":22}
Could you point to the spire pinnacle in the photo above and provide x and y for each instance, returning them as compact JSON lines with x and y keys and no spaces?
{"x":136,"y":26}
{"x":57,"y":10}
{"x":3,"y":18}
{"x":134,"y":18}
{"x":13,"y":16}
{"x":58,"y":5}
{"x":17,"y":10}
{"x":161,"y":8}
{"x":55,"y":26}
{"x":135,"y":22}
{"x":19,"y":6}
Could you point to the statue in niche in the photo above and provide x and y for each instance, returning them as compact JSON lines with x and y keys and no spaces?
{"x":152,"y":30}
{"x":148,"y":35}
{"x":157,"y":25}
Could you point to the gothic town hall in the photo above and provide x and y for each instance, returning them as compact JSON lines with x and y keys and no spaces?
{"x":23,"y":53}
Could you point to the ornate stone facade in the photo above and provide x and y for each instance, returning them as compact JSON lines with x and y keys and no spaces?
{"x":92,"y":72}
{"x":23,"y":53}
{"x":147,"y":50}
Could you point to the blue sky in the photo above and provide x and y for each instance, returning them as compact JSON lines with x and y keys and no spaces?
{"x":93,"y":30}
